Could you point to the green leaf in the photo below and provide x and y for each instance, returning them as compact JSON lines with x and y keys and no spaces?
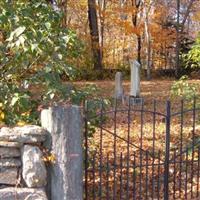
{"x":37,"y":50}
{"x":60,"y":56}
{"x":14,"y":100}
{"x":19,"y":30}
{"x":48,"y":25}
{"x":22,"y":40}
{"x":33,"y":47}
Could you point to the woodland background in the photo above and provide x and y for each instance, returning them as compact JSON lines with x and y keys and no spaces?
{"x":47,"y":45}
{"x":157,"y":33}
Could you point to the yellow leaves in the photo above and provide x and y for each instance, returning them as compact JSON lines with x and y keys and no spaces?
{"x":26,"y":114}
{"x":49,"y":158}
{"x":128,"y":27}
{"x":2,"y":117}
{"x":2,"y":114}
{"x":21,"y":123}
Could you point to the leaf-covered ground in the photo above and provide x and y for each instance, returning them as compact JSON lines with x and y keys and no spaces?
{"x":144,"y":131}
{"x":158,"y":89}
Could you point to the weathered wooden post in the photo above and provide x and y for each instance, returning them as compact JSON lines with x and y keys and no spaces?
{"x":65,"y":127}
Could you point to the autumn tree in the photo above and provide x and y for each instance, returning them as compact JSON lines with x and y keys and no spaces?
{"x":101,"y":11}
{"x":146,"y":30}
{"x":94,"y":32}
{"x":180,"y":28}
{"x":34,"y":53}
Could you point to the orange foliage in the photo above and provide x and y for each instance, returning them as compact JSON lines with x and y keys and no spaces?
{"x":120,"y":34}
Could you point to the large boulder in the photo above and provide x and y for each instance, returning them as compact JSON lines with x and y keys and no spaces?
{"x":25,"y":134}
{"x":12,"y":193}
{"x":9,"y":144}
{"x":10,"y":162}
{"x":33,"y":167}
{"x":8,"y":176}
{"x":8,"y":152}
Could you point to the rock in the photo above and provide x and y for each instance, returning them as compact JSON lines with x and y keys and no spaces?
{"x":7,"y":152}
{"x":8,"y":176}
{"x":10,"y":162}
{"x":65,"y":125}
{"x":10,"y":144}
{"x":12,"y":193}
{"x":119,"y":92}
{"x":25,"y":134}
{"x":33,"y":167}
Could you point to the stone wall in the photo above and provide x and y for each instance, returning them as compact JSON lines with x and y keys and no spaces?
{"x":23,"y":174}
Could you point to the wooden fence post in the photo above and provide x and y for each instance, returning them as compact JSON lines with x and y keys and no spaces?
{"x":65,"y":127}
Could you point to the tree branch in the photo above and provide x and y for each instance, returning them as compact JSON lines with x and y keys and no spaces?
{"x":187,"y":14}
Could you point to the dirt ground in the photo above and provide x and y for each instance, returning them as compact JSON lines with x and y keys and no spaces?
{"x":149,"y":89}
{"x":135,"y":128}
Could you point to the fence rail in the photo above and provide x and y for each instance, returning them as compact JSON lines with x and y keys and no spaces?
{"x":137,"y":152}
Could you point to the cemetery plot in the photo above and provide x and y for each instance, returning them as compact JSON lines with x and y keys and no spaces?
{"x":126,"y":153}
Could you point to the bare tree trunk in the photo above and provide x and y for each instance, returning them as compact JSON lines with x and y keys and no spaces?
{"x":148,"y":40}
{"x":186,"y":14}
{"x":94,"y":33}
{"x":102,"y":8}
{"x":54,"y":5}
{"x":136,"y":4}
{"x":64,"y":5}
{"x":179,"y":31}
{"x":139,"y":47}
{"x":177,"y":40}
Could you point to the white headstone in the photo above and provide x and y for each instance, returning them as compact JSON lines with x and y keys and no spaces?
{"x":119,"y":92}
{"x":135,"y":78}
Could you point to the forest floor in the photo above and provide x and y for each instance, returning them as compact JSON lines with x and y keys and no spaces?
{"x":149,"y":89}
{"x":126,"y":134}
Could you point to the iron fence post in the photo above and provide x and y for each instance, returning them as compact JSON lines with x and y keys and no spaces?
{"x":167,"y":151}
{"x":86,"y":148}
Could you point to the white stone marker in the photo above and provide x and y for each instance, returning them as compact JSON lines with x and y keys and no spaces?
{"x":119,"y":92}
{"x":135,"y":78}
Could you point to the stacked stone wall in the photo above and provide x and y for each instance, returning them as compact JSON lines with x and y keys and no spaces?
{"x":23,"y":174}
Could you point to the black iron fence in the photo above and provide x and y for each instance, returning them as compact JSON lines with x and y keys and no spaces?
{"x":136,"y":151}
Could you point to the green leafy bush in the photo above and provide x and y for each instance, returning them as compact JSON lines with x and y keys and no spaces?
{"x":94,"y":118}
{"x":192,"y":58}
{"x":182,"y":88}
{"x":34,"y":53}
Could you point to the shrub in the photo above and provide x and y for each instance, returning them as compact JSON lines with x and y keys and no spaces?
{"x":182,"y":88}
{"x":34,"y":52}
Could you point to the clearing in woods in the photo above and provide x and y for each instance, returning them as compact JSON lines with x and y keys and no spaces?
{"x":146,"y":131}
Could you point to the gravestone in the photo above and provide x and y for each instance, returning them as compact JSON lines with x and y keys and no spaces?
{"x":135,"y":78}
{"x":119,"y":92}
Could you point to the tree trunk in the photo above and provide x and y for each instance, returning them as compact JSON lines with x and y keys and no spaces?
{"x":139,"y":47}
{"x":64,"y":4}
{"x":54,"y":5}
{"x":94,"y":33}
{"x":177,"y":40}
{"x":148,"y":41}
{"x":136,"y":5}
{"x":148,"y":60}
{"x":179,"y":31}
{"x":102,"y":8}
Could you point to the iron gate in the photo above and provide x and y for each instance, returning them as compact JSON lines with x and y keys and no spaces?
{"x":137,"y":152}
